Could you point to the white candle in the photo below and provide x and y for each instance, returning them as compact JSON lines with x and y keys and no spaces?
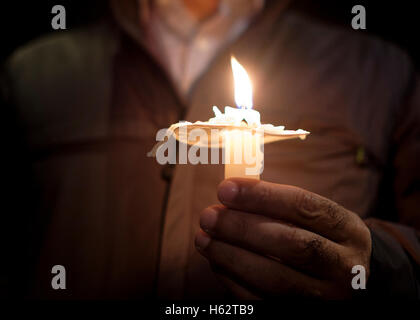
{"x":243,"y":153}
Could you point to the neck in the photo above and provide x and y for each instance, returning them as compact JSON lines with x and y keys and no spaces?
{"x":201,"y":9}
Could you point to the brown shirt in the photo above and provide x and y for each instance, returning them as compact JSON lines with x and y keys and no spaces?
{"x":88,"y":104}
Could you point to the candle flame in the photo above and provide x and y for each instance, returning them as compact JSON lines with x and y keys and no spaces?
{"x":243,"y":86}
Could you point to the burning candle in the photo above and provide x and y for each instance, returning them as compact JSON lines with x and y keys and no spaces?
{"x":243,"y":152}
{"x":238,"y":131}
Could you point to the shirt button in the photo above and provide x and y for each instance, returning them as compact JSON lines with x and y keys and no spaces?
{"x":360,"y":156}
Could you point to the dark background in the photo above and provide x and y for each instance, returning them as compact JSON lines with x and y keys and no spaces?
{"x":22,"y":21}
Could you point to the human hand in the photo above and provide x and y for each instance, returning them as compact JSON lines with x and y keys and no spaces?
{"x":269,"y":240}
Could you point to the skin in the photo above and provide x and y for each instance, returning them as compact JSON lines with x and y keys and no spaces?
{"x":201,"y":9}
{"x":268,"y":240}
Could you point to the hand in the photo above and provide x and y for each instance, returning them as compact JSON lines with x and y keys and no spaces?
{"x":270,"y":240}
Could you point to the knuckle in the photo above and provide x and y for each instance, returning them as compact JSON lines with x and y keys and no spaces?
{"x":337,"y":215}
{"x":332,"y":210}
{"x":312,"y":248}
{"x":305,"y":203}
{"x":315,"y":252}
{"x":318,"y":208}
{"x":307,"y":247}
{"x":301,"y":199}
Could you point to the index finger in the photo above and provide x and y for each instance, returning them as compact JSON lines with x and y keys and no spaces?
{"x":288,"y":203}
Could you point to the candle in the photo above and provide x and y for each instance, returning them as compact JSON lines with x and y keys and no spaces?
{"x":243,"y":152}
{"x":238,"y":131}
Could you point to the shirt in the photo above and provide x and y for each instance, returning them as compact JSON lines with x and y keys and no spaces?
{"x":83,"y":108}
{"x":185,"y":46}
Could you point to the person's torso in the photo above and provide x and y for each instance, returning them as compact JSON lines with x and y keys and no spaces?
{"x":90,"y":134}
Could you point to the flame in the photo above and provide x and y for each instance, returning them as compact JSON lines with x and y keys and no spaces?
{"x":243,"y":86}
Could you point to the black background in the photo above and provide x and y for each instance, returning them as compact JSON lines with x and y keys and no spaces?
{"x":396,"y":21}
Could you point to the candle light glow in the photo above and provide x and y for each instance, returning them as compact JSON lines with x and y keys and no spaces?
{"x":243,"y":152}
{"x":238,"y":131}
{"x":243,"y":85}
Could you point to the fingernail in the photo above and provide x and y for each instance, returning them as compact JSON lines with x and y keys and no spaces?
{"x":202,"y":240}
{"x":228,"y":191}
{"x":208,"y":219}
